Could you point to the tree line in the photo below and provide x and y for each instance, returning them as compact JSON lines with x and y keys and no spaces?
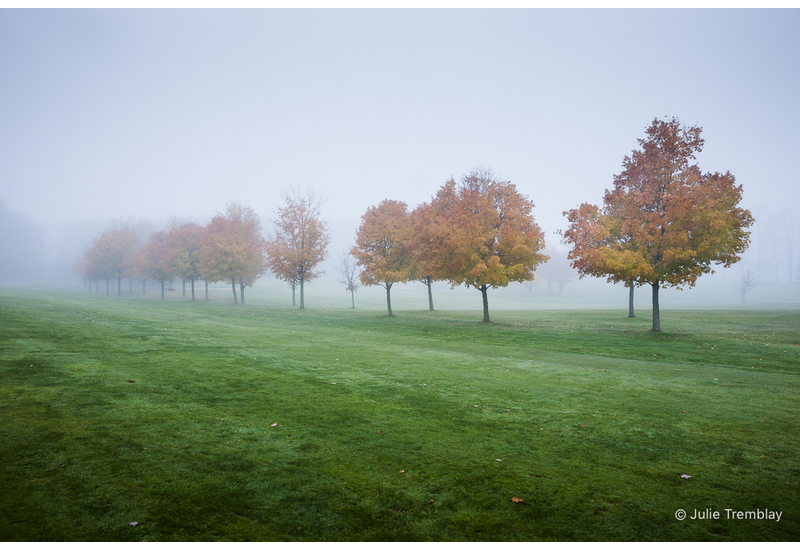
{"x":664,"y":223}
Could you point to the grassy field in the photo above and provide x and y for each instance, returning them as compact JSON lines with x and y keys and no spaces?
{"x":209,"y":421}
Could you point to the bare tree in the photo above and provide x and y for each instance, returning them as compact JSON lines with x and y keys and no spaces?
{"x":349,"y":275}
{"x":747,"y":281}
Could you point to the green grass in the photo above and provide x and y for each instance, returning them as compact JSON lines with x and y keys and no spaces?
{"x":593,"y":419}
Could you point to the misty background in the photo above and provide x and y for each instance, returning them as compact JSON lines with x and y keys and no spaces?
{"x":146,"y":116}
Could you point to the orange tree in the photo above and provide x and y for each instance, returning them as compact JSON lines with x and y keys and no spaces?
{"x":491,"y":236}
{"x":381,"y":249}
{"x":231,"y":249}
{"x":154,"y":261}
{"x":111,"y":256}
{"x":427,"y":240}
{"x":300,"y":242}
{"x":665,"y":222}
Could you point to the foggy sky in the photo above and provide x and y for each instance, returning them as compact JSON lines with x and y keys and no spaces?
{"x":150,"y":114}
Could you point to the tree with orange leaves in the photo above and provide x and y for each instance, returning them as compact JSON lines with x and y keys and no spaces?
{"x":154,"y":260}
{"x":665,"y":222}
{"x":300,"y":242}
{"x":231,"y":249}
{"x":488,"y":237}
{"x":381,"y":247}
{"x":427,"y":240}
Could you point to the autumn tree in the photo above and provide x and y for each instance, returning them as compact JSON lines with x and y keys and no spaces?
{"x":428,"y":240}
{"x":381,"y":249}
{"x":665,"y":222}
{"x":111,"y":255}
{"x":231,"y":249}
{"x":154,"y":260}
{"x":184,"y":252}
{"x":492,"y":237}
{"x":299,"y":242}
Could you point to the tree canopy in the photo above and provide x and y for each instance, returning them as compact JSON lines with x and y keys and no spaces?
{"x":300,"y":240}
{"x":380,"y":247}
{"x":665,"y":222}
{"x":492,"y":238}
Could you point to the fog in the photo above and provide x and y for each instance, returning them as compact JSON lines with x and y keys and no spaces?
{"x":137,"y":117}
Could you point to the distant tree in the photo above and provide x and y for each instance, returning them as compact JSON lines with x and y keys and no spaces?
{"x":556,"y":271}
{"x":493,"y":238}
{"x":349,"y":275}
{"x":747,"y":281}
{"x":111,"y":256}
{"x":22,"y":247}
{"x":231,"y":249}
{"x":184,"y":249}
{"x":380,"y":247}
{"x":155,"y":262}
{"x":300,"y":241}
{"x":665,"y":222}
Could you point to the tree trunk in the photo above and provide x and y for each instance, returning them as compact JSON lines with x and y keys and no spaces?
{"x":484,"y":291}
{"x":162,"y":289}
{"x":353,"y":297}
{"x":429,"y":282}
{"x":193,"y":289}
{"x":241,"y":292}
{"x":294,"y":302}
{"x":183,"y":283}
{"x":119,"y":286}
{"x":233,"y":285}
{"x":389,"y":298}
{"x":107,"y":286}
{"x":302,"y":301}
{"x":144,"y":286}
{"x":656,"y":312}
{"x":206,"y":282}
{"x":630,"y":301}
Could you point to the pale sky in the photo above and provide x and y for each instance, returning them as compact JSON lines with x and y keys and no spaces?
{"x":149,"y":114}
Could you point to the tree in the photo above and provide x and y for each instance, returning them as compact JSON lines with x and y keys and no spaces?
{"x":300,"y":242}
{"x":492,"y":237}
{"x":349,"y":279}
{"x":231,"y":249}
{"x":184,"y":252}
{"x":747,"y":281}
{"x":556,"y":271}
{"x":428,"y":239}
{"x":380,"y":247}
{"x":664,"y":223}
{"x":111,"y":256}
{"x":154,"y":260}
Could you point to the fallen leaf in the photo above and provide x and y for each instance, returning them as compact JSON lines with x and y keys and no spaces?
{"x":430,"y":502}
{"x":333,"y":383}
{"x":133,"y":381}
{"x":498,"y":460}
{"x":273,"y":425}
{"x":515,"y":499}
{"x":582,"y":426}
{"x":684,"y":476}
{"x":133,"y":523}
{"x":380,"y":431}
{"x":402,"y":471}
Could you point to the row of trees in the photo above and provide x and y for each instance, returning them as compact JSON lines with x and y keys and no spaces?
{"x":228,"y":249}
{"x":480,"y":233}
{"x":664,"y":223}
